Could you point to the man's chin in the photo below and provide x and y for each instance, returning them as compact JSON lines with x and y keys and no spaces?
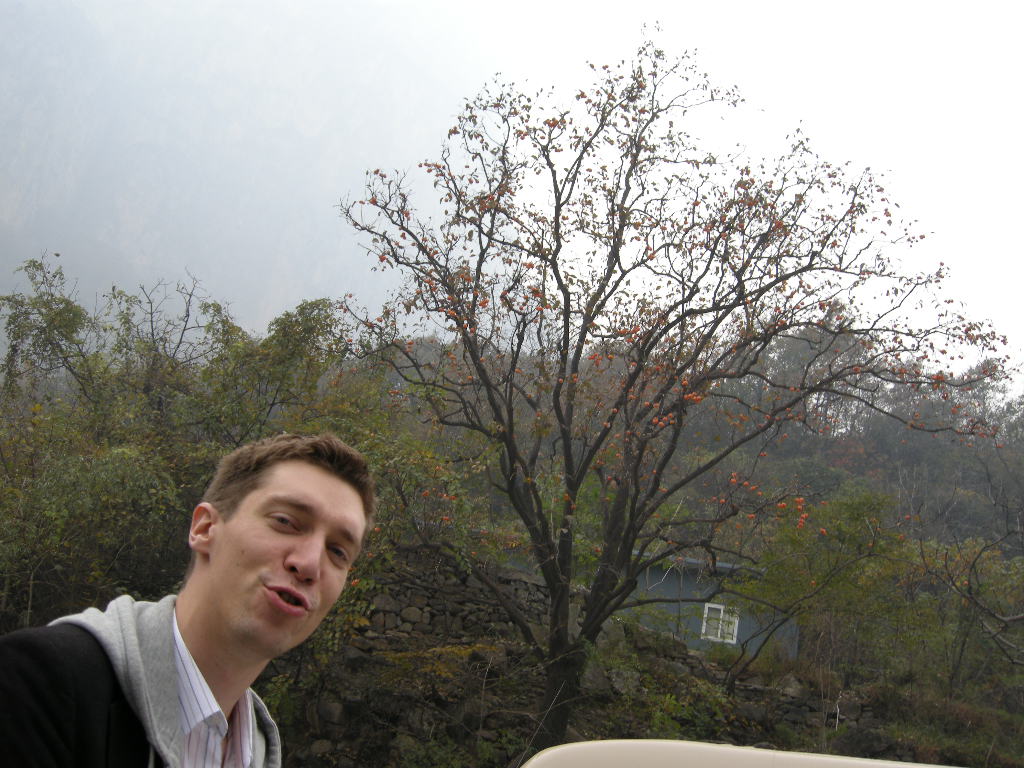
{"x":268,"y":642}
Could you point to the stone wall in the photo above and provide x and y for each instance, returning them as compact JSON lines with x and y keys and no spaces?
{"x":430,"y":599}
{"x":431,"y":666}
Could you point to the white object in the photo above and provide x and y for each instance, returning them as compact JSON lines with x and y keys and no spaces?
{"x":657,"y":753}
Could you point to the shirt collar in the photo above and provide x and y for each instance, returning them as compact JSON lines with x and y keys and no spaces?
{"x":198,"y":704}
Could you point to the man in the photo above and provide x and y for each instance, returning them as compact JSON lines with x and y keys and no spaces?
{"x":168,"y":683}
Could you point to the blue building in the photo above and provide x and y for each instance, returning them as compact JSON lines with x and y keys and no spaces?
{"x":699,"y":612}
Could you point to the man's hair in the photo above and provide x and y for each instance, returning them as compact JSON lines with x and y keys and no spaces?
{"x":241,"y":471}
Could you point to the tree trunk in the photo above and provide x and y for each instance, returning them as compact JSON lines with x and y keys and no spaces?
{"x":563,"y":674}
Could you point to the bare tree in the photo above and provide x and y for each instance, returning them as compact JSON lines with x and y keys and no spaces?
{"x":609,"y":309}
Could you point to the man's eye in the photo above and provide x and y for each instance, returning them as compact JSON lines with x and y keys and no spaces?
{"x":338,"y":553}
{"x":282,"y":520}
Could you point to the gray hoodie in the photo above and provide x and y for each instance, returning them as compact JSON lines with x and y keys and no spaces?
{"x":139,"y":639}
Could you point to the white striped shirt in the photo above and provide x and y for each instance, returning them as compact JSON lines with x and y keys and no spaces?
{"x":203,"y":723}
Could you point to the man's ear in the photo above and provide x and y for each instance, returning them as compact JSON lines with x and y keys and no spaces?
{"x":205,"y":518}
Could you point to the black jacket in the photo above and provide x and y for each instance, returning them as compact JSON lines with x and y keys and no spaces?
{"x":61,"y":704}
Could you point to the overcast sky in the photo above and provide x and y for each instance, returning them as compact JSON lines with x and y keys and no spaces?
{"x":143,"y":138}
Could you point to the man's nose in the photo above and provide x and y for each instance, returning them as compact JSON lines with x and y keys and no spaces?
{"x":304,"y":557}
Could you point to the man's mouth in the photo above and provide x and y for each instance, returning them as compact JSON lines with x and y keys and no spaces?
{"x":291,"y":598}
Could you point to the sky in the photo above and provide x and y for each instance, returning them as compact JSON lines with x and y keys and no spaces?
{"x":146,"y":140}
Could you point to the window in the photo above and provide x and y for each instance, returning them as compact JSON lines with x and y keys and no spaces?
{"x":720,"y":623}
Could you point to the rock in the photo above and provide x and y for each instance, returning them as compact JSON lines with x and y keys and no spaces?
{"x":422,"y":722}
{"x":403,"y":742}
{"x":676,"y":668}
{"x":612,"y":635}
{"x":488,"y":656}
{"x":752,"y":711}
{"x":330,"y":711}
{"x":360,"y":644}
{"x":645,"y":640}
{"x":320,"y":747}
{"x":869,"y":743}
{"x":791,"y":687}
{"x":385,"y":602}
{"x":796,"y":716}
{"x":850,"y":709}
{"x":411,"y":614}
{"x":625,"y":682}
{"x":354,"y":654}
{"x":595,"y":680}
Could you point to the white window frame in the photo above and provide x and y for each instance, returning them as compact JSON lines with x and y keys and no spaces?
{"x":721,"y":623}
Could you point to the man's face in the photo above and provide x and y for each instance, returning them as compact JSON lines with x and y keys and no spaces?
{"x":279,"y":563}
